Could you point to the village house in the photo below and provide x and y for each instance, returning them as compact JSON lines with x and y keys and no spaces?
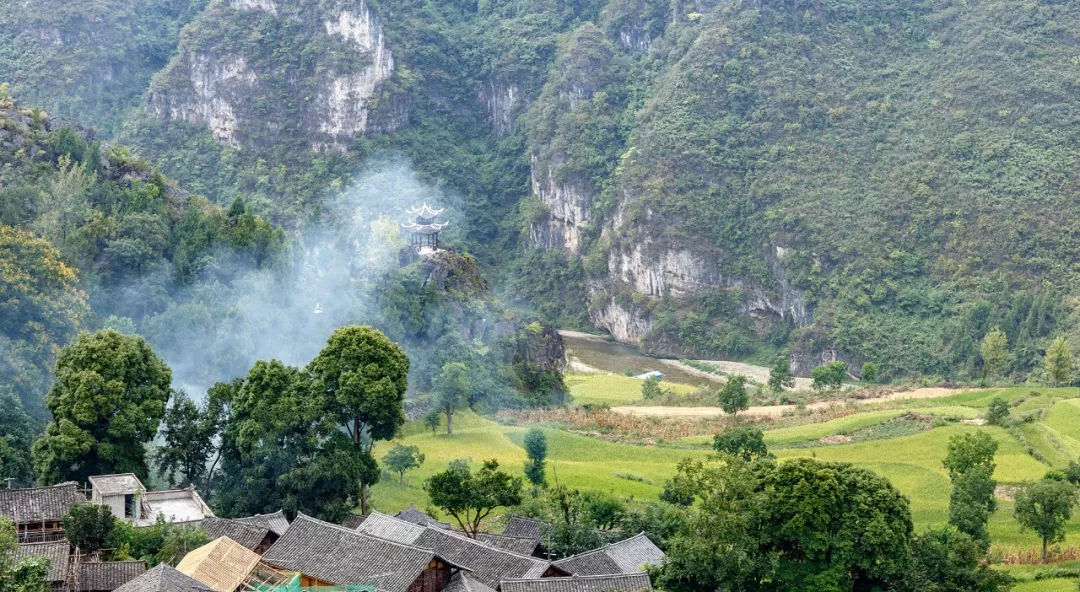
{"x":326,"y":554}
{"x":57,"y":552}
{"x":129,"y":500}
{"x":164,"y":578}
{"x":633,"y":582}
{"x":104,"y":576}
{"x":37,"y":512}
{"x":624,"y":557}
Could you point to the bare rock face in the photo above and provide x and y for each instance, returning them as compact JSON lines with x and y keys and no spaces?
{"x":316,"y":80}
{"x":568,"y":208}
{"x":503,"y":101}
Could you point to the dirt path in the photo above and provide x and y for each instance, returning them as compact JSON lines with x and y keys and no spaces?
{"x":779,"y":410}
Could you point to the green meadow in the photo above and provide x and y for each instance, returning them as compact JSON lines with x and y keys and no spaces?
{"x":911,"y":462}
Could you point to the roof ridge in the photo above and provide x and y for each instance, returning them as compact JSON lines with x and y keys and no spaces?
{"x":635,"y":574}
{"x":483,"y":544}
{"x":604,"y":547}
{"x":364,"y":535}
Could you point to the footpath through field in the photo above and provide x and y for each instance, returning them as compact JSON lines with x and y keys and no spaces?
{"x":779,"y":410}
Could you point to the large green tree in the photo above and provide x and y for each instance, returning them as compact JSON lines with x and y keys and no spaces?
{"x":17,"y":433}
{"x":969,"y":460}
{"x":947,"y":560}
{"x":188,"y":434}
{"x":1045,"y":507}
{"x":745,"y":441}
{"x":361,"y":378}
{"x":452,"y":389}
{"x":733,"y":396}
{"x":803,"y":525}
{"x":280,"y":448}
{"x":536,"y":450}
{"x":92,"y":527}
{"x":1058,"y":362}
{"x":994,"y":351}
{"x":107,"y":401}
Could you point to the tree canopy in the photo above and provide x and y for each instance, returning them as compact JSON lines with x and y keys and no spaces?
{"x":107,"y":402}
{"x":469,"y":496}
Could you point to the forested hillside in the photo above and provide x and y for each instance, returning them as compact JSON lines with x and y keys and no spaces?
{"x":871,"y":181}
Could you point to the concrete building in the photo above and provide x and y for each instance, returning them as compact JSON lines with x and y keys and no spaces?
{"x":129,"y":500}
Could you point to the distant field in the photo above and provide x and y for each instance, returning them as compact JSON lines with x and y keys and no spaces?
{"x":912,"y":463}
{"x":613,"y":389}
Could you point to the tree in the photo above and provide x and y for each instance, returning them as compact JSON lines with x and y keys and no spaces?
{"x":869,"y":372}
{"x":107,"y":402}
{"x":733,"y":397}
{"x":402,"y":458}
{"x":1059,"y":362}
{"x":188,"y":432}
{"x":452,"y":387}
{"x":432,"y":420}
{"x":603,"y":510}
{"x":994,"y":350}
{"x":947,"y":560}
{"x":42,"y":308}
{"x":536,"y":451}
{"x":969,"y":460}
{"x":829,"y":376}
{"x":801,"y":525}
{"x":281,"y":450}
{"x":361,"y":377}
{"x":650,"y":388}
{"x":780,"y":376}
{"x":1045,"y":507}
{"x":744,"y":441}
{"x":470,"y":497}
{"x":165,"y":542}
{"x":91,"y":527}
{"x":997,"y":412}
{"x":17,"y":431}
{"x":567,"y":527}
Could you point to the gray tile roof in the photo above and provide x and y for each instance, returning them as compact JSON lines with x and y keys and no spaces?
{"x":387,"y":527}
{"x":523,"y":527}
{"x":106,"y":576}
{"x":336,"y":554}
{"x":248,"y":535}
{"x":276,"y":522}
{"x":524,"y":546}
{"x":463,"y":582}
{"x":414,"y":515}
{"x":164,"y":578}
{"x":487,"y":563}
{"x":634,"y":582}
{"x":58,"y":553}
{"x":353,"y":521}
{"x":627,"y":556}
{"x":39,"y":504}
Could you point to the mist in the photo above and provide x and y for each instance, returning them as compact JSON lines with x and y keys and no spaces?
{"x":216,"y":329}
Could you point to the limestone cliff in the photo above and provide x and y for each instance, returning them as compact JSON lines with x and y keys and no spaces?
{"x":258,"y":72}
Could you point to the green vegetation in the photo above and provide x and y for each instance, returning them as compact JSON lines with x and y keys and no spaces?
{"x":1045,"y":506}
{"x":471,"y":497}
{"x":612,"y":389}
{"x":107,"y":402}
{"x":403,"y":458}
{"x":536,"y":450}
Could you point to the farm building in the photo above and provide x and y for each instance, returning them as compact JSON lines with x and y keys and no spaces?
{"x":326,"y":554}
{"x":37,"y":512}
{"x":623,"y":557}
{"x":225,"y":565}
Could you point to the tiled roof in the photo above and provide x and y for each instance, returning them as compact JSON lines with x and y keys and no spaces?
{"x":222,"y":564}
{"x":387,"y":527}
{"x":106,"y":576}
{"x":120,"y":484}
{"x":520,"y":545}
{"x":523,"y":527}
{"x":463,"y":582}
{"x":248,"y":535}
{"x":164,"y":578}
{"x":344,"y":557}
{"x":627,"y":556}
{"x":39,"y":504}
{"x":353,"y":521}
{"x":276,"y":522}
{"x":58,"y":553}
{"x":634,"y":582}
{"x":487,"y":563}
{"x":414,"y":515}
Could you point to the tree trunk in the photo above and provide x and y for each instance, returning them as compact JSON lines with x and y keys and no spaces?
{"x":1044,"y":551}
{"x":449,"y":422}
{"x":363,"y":499}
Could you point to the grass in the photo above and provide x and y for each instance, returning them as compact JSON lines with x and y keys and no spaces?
{"x":911,"y":462}
{"x":1052,"y":585}
{"x":614,"y":389}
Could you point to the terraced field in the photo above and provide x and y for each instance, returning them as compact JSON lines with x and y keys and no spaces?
{"x":911,"y":462}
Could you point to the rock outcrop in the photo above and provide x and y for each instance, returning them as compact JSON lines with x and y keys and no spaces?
{"x":248,"y":95}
